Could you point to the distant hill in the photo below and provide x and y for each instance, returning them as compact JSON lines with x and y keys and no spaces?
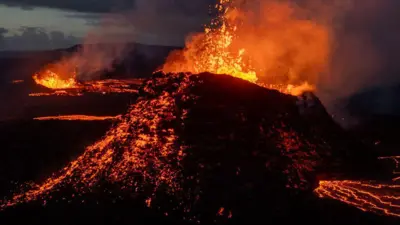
{"x":376,"y":101}
{"x":140,"y":61}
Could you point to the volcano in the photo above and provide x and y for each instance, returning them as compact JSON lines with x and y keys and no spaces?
{"x":206,"y":146}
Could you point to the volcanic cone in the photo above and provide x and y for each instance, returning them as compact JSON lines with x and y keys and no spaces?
{"x":213,"y":147}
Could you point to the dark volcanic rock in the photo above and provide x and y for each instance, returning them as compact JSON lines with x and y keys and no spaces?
{"x":215,"y":148}
{"x":250,"y":150}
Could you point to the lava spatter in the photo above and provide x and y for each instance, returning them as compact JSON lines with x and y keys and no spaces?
{"x":142,"y":142}
{"x":272,"y":46}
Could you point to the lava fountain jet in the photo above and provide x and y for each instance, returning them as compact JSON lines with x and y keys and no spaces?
{"x":273,"y":47}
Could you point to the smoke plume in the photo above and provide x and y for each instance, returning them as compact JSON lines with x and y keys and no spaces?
{"x":364,"y":52}
{"x":156,"y":22}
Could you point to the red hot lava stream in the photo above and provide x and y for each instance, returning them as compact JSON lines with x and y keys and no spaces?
{"x":372,"y":196}
{"x":71,"y":87}
{"x":78,"y":117}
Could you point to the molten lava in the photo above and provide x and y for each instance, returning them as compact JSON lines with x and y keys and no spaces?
{"x":62,"y":78}
{"x":274,"y":47}
{"x":372,"y":196}
{"x":52,"y":80}
{"x":72,"y":88}
{"x":366,"y":195}
{"x":78,"y":117}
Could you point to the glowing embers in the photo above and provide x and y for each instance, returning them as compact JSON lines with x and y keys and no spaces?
{"x":367,"y":196}
{"x":78,"y":117}
{"x":112,"y":86}
{"x":17,"y":81}
{"x":396,"y":160}
{"x":302,"y":161}
{"x":290,"y":89}
{"x":56,"y":93}
{"x":140,"y":152}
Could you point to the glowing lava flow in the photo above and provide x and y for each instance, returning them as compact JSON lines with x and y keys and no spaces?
{"x":97,"y":86}
{"x":381,"y":198}
{"x":55,"y":93}
{"x":78,"y":117}
{"x":367,"y":196}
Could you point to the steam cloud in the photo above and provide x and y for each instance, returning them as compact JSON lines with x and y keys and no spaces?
{"x":364,"y":52}
{"x":150,"y":21}
{"x":363,"y":41}
{"x":364,"y":46}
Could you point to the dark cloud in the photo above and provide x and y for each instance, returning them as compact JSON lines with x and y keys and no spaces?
{"x":35,"y":38}
{"x":74,"y":5}
{"x":3,"y":31}
{"x":165,"y":22}
{"x":101,"y":6}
